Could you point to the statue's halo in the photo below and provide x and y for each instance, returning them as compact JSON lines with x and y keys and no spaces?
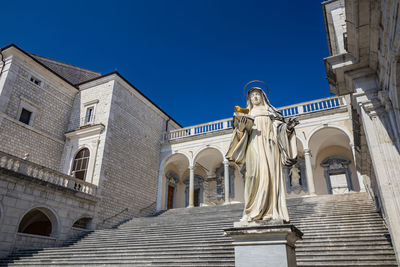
{"x":255,"y":81}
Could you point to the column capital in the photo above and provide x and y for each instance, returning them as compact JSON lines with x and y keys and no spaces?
{"x":191,"y":167}
{"x":307,"y":151}
{"x":225,"y":161}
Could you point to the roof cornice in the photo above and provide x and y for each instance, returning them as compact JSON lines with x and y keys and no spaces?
{"x":10,"y":46}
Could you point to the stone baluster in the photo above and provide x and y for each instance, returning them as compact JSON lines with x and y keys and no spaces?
{"x":226,"y":181}
{"x":191,"y":186}
{"x":309,"y":172}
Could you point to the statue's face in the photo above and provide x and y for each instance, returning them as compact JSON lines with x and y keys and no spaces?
{"x":255,"y":98}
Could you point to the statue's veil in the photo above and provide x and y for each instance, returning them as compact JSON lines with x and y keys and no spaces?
{"x":265,"y":103}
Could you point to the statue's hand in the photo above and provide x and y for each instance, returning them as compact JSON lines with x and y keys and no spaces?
{"x":242,"y":124}
{"x":292,"y":122}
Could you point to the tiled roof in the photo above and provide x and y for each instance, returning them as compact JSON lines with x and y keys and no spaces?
{"x":71,"y":73}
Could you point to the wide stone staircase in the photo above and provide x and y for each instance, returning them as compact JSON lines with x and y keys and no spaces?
{"x":339,"y":230}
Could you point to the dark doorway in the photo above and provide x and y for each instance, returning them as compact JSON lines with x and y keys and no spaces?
{"x":196,"y":197}
{"x":170,"y":203}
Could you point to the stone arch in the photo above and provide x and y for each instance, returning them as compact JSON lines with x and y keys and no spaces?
{"x":206,"y":161}
{"x":328,"y":142}
{"x":203,"y":148}
{"x":180,"y":163}
{"x":330,"y":129}
{"x":315,"y":130}
{"x":83,"y":222}
{"x":39,"y":220}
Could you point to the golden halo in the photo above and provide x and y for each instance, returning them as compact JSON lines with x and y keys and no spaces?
{"x":255,"y":81}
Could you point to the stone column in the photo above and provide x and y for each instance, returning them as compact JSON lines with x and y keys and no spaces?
{"x":226,"y":181}
{"x":191,"y":186}
{"x":309,"y":172}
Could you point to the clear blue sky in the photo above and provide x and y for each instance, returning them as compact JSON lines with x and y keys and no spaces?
{"x":191,"y":58}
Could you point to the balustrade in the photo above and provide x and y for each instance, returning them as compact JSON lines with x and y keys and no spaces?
{"x":45,"y":174}
{"x":287,"y":111}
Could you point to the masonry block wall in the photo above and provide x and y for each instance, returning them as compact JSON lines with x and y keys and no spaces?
{"x":20,"y":194}
{"x":43,"y":139}
{"x":131,"y":158}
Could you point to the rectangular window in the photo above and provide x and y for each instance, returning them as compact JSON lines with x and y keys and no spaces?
{"x":89,"y":115}
{"x":36,"y":81}
{"x":25,"y":116}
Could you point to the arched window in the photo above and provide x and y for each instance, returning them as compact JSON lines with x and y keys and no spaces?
{"x":83,"y":223}
{"x":35,"y":222}
{"x":80,"y":164}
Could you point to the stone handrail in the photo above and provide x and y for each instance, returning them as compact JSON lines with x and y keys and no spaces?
{"x":199,"y":129}
{"x":287,"y":111}
{"x":313,"y":106}
{"x":39,"y":172}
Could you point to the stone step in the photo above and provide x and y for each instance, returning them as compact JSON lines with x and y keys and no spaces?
{"x":339,"y":230}
{"x":195,"y":235}
{"x":155,"y":231}
{"x":161,"y":245}
{"x":180,"y":222}
{"x":344,"y":237}
{"x":132,"y":262}
{"x":344,"y":228}
{"x":129,"y":264}
{"x":122,"y":254}
{"x":340,"y":242}
{"x":365,"y":222}
{"x":346,"y":258}
{"x":152,"y":242}
{"x":211,"y":225}
{"x":385,"y":263}
{"x":130,"y":250}
{"x":219,"y":233}
{"x":128,"y":258}
{"x":343,"y":252}
{"x":337,"y":248}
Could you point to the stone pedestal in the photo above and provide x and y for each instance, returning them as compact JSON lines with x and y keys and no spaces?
{"x":262,"y":245}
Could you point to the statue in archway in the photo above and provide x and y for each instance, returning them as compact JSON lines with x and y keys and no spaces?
{"x":264,"y":141}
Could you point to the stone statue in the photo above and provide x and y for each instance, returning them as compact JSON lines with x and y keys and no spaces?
{"x":264,"y":141}
{"x":295,"y":179}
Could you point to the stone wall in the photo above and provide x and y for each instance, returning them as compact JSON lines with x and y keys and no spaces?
{"x":131,"y":158}
{"x":19,"y":194}
{"x":43,"y":139}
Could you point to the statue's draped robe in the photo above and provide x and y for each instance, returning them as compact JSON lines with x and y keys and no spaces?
{"x":264,"y":150}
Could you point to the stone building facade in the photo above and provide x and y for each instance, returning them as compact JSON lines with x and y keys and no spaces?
{"x":364,"y":62}
{"x":73,"y":142}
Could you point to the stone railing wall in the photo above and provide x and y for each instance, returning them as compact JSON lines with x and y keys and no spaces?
{"x":28,"y":241}
{"x":313,"y":106}
{"x":199,"y":129}
{"x":287,"y":111}
{"x":39,"y":172}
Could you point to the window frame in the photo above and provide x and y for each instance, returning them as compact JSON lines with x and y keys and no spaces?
{"x":86,"y":106}
{"x":35,"y":79}
{"x":91,"y":120}
{"x":74,"y":159}
{"x":29,"y":106}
